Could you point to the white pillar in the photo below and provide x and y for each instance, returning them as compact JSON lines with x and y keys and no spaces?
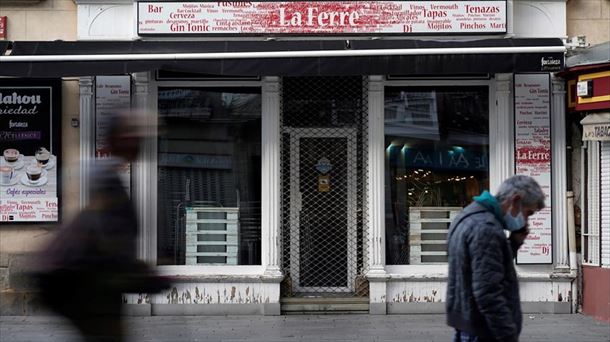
{"x":501,"y":131}
{"x":558,"y":160}
{"x":144,"y":170}
{"x":87,"y":134}
{"x":375,"y":196}
{"x":270,"y":201}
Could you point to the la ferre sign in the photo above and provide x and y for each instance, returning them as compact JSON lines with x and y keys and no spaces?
{"x":321,"y":17}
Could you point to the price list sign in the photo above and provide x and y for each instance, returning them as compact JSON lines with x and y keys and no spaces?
{"x":533,"y":158}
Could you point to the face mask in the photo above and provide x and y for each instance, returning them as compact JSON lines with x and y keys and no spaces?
{"x":514,"y":223}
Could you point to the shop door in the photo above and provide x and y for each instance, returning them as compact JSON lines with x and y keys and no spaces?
{"x":323,"y":210}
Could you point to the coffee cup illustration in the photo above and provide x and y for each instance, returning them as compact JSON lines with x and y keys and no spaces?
{"x":33,"y":172}
{"x":11,"y":155}
{"x":42,"y":156}
{"x":6,"y":174}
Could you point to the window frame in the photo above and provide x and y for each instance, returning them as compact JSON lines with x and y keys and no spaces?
{"x":152,"y":202}
{"x":496,"y":165}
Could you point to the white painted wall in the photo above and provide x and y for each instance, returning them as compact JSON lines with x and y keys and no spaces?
{"x":106,"y":20}
{"x":214,"y":293}
{"x":537,"y":19}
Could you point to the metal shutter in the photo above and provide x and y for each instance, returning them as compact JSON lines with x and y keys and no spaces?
{"x":605,"y":202}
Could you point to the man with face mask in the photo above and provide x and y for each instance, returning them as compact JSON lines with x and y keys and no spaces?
{"x":482,"y":290}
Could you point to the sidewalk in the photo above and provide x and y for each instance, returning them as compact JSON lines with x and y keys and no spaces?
{"x":344,"y":328}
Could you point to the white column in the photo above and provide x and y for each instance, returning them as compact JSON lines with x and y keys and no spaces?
{"x":144,"y":170}
{"x":501,"y":131}
{"x":375,"y":196}
{"x":558,"y":164}
{"x":87,"y":134}
{"x":270,"y":201}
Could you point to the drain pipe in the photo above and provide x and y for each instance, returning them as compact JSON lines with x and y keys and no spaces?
{"x":572,"y":249}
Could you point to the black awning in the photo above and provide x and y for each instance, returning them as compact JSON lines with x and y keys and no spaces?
{"x":419,"y":63}
{"x":4,"y":44}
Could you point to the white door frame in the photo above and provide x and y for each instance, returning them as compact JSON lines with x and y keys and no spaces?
{"x":296,"y":203}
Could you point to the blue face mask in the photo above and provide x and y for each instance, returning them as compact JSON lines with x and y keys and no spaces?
{"x":514,"y":223}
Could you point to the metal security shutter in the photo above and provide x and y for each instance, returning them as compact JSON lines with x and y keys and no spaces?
{"x":323,"y":177}
{"x":605,"y":201}
{"x":591,"y":243}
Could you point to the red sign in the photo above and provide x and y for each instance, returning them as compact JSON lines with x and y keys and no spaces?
{"x":3,"y":22}
{"x":321,"y":17}
{"x":533,"y":158}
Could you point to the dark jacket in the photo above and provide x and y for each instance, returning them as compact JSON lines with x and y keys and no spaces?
{"x":482,"y":289}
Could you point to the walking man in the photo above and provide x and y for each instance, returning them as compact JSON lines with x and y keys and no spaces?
{"x":92,"y":261}
{"x":483,"y":291}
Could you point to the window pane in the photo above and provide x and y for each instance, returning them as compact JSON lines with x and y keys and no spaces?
{"x":209,"y":191}
{"x":436,"y":160}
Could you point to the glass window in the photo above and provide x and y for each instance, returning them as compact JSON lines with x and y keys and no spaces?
{"x":209,"y":176}
{"x":436,"y":160}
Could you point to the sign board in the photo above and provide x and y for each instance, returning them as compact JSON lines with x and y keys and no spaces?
{"x":459,"y":158}
{"x":321,"y":17}
{"x":533,"y":158}
{"x":112,"y":96}
{"x":596,"y":127}
{"x":30,"y":136}
{"x":584,"y":88}
{"x":3,"y":27}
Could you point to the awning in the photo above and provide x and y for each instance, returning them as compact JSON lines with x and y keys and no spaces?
{"x":284,"y":58}
{"x":596,"y":127}
{"x":4,"y":44}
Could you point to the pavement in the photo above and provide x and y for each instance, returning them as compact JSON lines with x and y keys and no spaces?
{"x":317,"y":328}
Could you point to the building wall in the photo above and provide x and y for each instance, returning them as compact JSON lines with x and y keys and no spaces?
{"x":46,"y":20}
{"x":17,"y":240}
{"x":590,"y":18}
{"x":596,"y":297}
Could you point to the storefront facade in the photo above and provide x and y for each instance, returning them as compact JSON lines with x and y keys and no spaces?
{"x":325,"y":177}
{"x":588,"y":79}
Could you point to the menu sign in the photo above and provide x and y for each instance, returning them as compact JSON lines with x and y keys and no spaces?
{"x":321,"y":17}
{"x":112,"y":96}
{"x":533,"y":158}
{"x":30,"y":146}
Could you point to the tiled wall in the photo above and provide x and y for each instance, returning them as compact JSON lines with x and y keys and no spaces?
{"x":45,"y":20}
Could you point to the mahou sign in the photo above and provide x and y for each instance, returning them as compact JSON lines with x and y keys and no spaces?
{"x":533,"y":158}
{"x":321,"y":17}
{"x":30,"y":158}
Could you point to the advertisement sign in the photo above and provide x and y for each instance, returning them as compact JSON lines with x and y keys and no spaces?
{"x":321,"y":17}
{"x":533,"y":158}
{"x":3,"y":27}
{"x":112,"y":96}
{"x":30,"y":112}
{"x":452,"y":158}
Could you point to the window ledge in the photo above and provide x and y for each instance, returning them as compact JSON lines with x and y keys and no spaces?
{"x":210,"y":278}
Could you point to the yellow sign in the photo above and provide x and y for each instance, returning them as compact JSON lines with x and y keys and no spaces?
{"x":323,"y":183}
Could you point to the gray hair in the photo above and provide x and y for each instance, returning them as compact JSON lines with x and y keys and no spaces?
{"x":524,"y":186}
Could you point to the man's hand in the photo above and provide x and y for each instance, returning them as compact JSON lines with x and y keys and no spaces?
{"x":519,"y":235}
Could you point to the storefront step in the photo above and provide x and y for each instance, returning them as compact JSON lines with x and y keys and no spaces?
{"x":321,"y":305}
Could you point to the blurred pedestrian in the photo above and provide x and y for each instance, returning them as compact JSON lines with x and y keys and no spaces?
{"x":483,"y":291}
{"x":92,"y":261}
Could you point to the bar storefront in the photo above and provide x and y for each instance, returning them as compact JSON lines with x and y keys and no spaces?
{"x":310,"y":155}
